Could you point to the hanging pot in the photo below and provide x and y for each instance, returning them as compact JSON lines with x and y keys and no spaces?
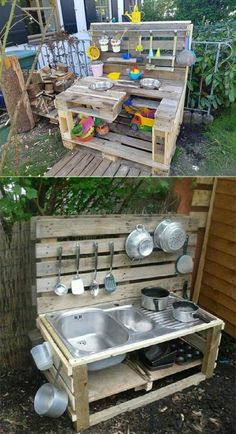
{"x":155,"y":298}
{"x":139,"y":243}
{"x":184,"y":263}
{"x":169,"y":236}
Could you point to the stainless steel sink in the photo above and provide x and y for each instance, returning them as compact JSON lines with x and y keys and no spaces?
{"x":133,"y":320}
{"x":90,"y":331}
{"x":93,"y":331}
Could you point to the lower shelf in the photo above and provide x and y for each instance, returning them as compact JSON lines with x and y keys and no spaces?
{"x":122,"y":377}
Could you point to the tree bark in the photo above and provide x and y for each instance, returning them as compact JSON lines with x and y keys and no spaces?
{"x":13,"y":85}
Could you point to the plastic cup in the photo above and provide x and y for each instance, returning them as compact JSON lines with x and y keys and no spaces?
{"x":42,"y":355}
{"x":50,"y":401}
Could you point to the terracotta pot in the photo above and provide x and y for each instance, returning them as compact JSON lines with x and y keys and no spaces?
{"x":102,"y":130}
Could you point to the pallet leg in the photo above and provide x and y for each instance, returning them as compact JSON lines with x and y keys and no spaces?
{"x":80,"y":379}
{"x":212,"y":345}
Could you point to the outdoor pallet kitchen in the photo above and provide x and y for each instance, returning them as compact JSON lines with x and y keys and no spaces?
{"x":153,"y":148}
{"x":82,"y":384}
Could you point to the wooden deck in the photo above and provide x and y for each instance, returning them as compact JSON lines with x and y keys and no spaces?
{"x":83,"y":163}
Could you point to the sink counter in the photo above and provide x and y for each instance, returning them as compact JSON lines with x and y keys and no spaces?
{"x":111,"y":330}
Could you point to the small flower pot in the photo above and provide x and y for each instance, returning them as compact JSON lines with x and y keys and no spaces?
{"x":115,"y":45}
{"x":104,"y":44}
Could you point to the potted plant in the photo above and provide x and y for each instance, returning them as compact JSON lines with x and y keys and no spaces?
{"x":104,"y":41}
{"x":115,"y":43}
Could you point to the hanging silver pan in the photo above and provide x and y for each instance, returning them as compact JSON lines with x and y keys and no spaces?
{"x":187,"y":311}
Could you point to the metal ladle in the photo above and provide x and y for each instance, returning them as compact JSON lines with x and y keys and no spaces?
{"x":94,"y":287}
{"x":60,"y":289}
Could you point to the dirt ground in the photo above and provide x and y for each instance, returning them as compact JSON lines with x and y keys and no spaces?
{"x":208,"y":408}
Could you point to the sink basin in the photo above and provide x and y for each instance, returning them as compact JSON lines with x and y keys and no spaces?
{"x":90,"y":332}
{"x":133,"y":320}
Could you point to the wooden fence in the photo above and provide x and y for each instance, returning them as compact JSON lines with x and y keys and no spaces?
{"x":16,"y":311}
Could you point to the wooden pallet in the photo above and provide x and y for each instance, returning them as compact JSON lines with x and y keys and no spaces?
{"x":82,"y":163}
{"x":81,"y":100}
{"x":85,"y":387}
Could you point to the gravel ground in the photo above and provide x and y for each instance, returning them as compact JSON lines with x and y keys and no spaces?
{"x":208,"y":408}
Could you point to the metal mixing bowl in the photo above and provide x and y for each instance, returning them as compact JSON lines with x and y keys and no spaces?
{"x":150,"y":83}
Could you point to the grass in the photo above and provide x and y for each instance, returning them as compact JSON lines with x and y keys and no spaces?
{"x":36,"y":156}
{"x":220,"y":149}
{"x":209,"y":152}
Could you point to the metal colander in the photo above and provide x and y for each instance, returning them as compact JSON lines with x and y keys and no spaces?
{"x":169,"y":236}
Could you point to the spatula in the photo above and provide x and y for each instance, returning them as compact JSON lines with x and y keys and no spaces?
{"x":77,"y":286}
{"x":110,"y":283}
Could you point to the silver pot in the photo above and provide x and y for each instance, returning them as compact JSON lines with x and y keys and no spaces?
{"x":155,"y":298}
{"x":169,"y":236}
{"x":139,"y":243}
{"x":187,"y":311}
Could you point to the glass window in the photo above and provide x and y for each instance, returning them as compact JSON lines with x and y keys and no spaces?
{"x":37,"y":13}
{"x":103,"y":10}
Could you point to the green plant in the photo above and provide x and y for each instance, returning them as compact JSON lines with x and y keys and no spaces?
{"x":204,"y":76}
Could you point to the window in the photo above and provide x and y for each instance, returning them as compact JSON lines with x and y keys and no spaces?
{"x":103,"y":9}
{"x":40,"y":11}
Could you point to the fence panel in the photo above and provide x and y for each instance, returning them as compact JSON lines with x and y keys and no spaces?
{"x":16,"y":311}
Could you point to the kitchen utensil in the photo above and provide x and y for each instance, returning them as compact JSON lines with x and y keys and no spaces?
{"x":49,"y":400}
{"x":186,"y":57}
{"x":101,"y":85}
{"x":187,"y":311}
{"x":169,"y":236}
{"x":139,"y":243}
{"x":93,"y":51}
{"x":150,"y":54}
{"x":139,"y":46}
{"x":150,"y":83}
{"x":94,"y":287}
{"x":110,"y":283}
{"x":185,"y":290}
{"x":114,"y":75}
{"x":155,"y":298}
{"x":184,"y":263}
{"x":42,"y":355}
{"x":60,"y":289}
{"x":77,"y":286}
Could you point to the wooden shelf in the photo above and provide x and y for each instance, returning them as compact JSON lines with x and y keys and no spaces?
{"x":122,"y":377}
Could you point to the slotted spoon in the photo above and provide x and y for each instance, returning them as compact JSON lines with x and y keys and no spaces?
{"x":110,"y":283}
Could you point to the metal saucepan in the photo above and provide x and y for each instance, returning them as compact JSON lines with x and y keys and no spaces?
{"x":184,"y":263}
{"x":139,"y":243}
{"x":187,"y":311}
{"x":155,"y":298}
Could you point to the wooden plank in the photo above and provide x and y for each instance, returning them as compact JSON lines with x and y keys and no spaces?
{"x":201,"y":198}
{"x":198,"y":281}
{"x":224,"y":201}
{"x":48,"y":268}
{"x":227,"y":186}
{"x":104,"y":225}
{"x":197,"y":341}
{"x":220,"y":297}
{"x":219,"y":285}
{"x":230,"y":330}
{"x":227,"y":246}
{"x":221,"y":258}
{"x":221,"y":272}
{"x":47,"y":284}
{"x":208,"y":180}
{"x":223,"y":231}
{"x":201,"y":216}
{"x":219,"y":310}
{"x":101,"y":169}
{"x":61,"y":163}
{"x":124,"y":291}
{"x":226,"y":217}
{"x":145,"y":399}
{"x":80,"y":379}
{"x":210,"y":357}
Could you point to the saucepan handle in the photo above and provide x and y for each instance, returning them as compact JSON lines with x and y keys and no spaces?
{"x":201,"y":317}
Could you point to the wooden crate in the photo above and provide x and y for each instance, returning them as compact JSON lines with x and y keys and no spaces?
{"x":82,"y":387}
{"x":157,"y":151}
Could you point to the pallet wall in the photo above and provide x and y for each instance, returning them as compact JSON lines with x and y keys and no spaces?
{"x":218,"y":287}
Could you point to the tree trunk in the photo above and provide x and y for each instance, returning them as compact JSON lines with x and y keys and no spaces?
{"x":13,"y":85}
